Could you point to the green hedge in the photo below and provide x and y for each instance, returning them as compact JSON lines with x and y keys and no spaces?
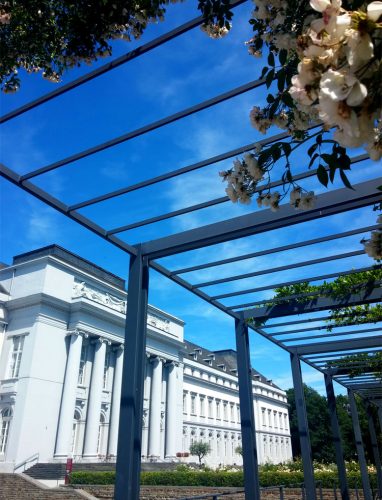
{"x":219,"y":478}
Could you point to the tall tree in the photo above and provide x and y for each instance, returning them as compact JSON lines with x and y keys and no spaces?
{"x":319,"y":426}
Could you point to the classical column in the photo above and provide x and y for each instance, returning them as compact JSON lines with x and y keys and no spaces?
{"x":116,"y":401}
{"x":155,"y":409}
{"x":68,"y":402}
{"x":171,"y":420}
{"x":95,"y":400}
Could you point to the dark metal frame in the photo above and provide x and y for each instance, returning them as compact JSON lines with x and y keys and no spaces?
{"x":315,"y":352}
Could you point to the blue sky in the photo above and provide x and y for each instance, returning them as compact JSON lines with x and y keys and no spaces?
{"x":185,"y":71}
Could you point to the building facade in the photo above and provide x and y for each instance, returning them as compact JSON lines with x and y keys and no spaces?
{"x":61,"y":355}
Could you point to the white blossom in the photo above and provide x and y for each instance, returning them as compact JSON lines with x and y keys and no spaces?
{"x":374,"y":11}
{"x":307,"y":201}
{"x":360,"y":49}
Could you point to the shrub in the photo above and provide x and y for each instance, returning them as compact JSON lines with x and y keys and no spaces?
{"x":220,"y":478}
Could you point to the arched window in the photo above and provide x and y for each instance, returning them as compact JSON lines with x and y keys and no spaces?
{"x":101,"y":428}
{"x":5,"y":421}
{"x":76,"y":422}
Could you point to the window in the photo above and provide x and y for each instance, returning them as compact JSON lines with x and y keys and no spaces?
{"x":275,"y":419}
{"x":232,"y":413}
{"x":269,"y":418}
{"x":184,"y":402}
{"x":280,"y":420}
{"x":225,"y":412}
{"x":76,"y":421}
{"x":238,"y":413}
{"x":6,"y":417}
{"x":193,"y":398}
{"x":263,"y":417}
{"x":81,"y":372}
{"x":218,"y":409}
{"x":17,"y":350}
{"x":202,"y":407}
{"x":209,"y":407}
{"x":285,"y":422}
{"x":106,"y":369}
{"x":101,"y":428}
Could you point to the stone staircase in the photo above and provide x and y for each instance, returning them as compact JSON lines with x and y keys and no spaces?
{"x":57,"y":470}
{"x":21,"y":487}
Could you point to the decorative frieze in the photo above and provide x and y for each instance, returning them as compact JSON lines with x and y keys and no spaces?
{"x":82,"y":289}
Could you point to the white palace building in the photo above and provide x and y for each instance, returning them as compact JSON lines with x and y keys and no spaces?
{"x":61,"y":353}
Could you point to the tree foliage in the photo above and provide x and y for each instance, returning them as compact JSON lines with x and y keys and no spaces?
{"x":200,"y":449}
{"x":320,"y":429}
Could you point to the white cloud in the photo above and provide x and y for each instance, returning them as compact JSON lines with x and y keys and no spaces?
{"x":42,"y":226}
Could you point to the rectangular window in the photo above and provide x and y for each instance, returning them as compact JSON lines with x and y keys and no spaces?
{"x":106,"y":369}
{"x":184,"y":402}
{"x":280,"y":420}
{"x":232,"y":413}
{"x":193,"y":397}
{"x":17,"y":350}
{"x":238,"y":413}
{"x":285,"y":422}
{"x":81,"y":372}
{"x":225,"y":412}
{"x":209,"y":407}
{"x":218,"y":409}
{"x":275,"y":420}
{"x":202,"y":407}
{"x":263,"y":417}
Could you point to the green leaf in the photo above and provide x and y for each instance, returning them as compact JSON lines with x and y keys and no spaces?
{"x":269,"y":78}
{"x":329,"y":159}
{"x":312,"y":149}
{"x":332,"y":172}
{"x":270,"y":98}
{"x":276,"y":153}
{"x":345,"y":180}
{"x":322,"y":175}
{"x":313,"y":159}
{"x":271,"y":59}
{"x":264,"y":71}
{"x":344,"y":162}
{"x":281,"y":80}
{"x":273,"y":108}
{"x":283,"y":56}
{"x":287,"y":148}
{"x":287,"y":99}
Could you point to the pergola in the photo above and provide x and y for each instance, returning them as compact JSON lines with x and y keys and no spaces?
{"x":295,"y":324}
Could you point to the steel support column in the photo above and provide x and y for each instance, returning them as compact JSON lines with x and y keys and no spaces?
{"x":303,"y":430}
{"x":374,"y":444}
{"x":359,"y":445}
{"x":131,"y":413}
{"x":247,"y":419}
{"x":336,"y":437}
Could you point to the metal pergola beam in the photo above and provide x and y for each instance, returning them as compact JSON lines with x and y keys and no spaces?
{"x":336,"y":345}
{"x":190,"y":168}
{"x":287,"y":267}
{"x":293,"y":282}
{"x":247,"y":417}
{"x":334,"y":202}
{"x":53,"y":202}
{"x":317,"y":304}
{"x":282,"y":248}
{"x":146,"y":128}
{"x":128,"y":465}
